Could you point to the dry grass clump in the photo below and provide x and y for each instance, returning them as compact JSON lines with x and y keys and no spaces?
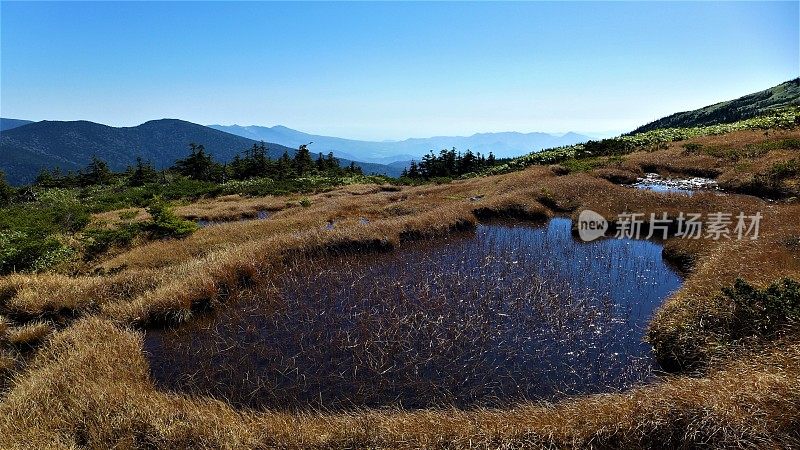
{"x":28,"y":334}
{"x":89,"y":387}
{"x":618,"y":175}
{"x":5,"y":324}
{"x":7,"y":361}
{"x":511,"y":206}
{"x":229,"y":207}
{"x":119,"y":217}
{"x":57,"y":297}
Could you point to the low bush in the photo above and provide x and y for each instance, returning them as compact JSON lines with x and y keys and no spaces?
{"x":761,"y":312}
{"x":97,"y":241}
{"x":165,"y":223}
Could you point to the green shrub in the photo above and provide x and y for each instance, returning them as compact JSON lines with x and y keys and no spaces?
{"x":761,"y":312}
{"x":692,"y":148}
{"x":165,"y":223}
{"x":24,"y":252}
{"x":98,"y":241}
{"x":305,"y":202}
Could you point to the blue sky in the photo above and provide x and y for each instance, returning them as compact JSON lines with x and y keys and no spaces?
{"x":388,"y":70}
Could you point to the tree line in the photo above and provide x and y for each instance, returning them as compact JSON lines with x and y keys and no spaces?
{"x":200,"y":165}
{"x":449,"y":163}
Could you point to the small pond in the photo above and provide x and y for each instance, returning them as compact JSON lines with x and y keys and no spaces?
{"x":504,"y":313}
{"x":688,"y":186}
{"x":260,"y":215}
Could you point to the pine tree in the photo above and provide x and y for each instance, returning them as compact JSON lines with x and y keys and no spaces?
{"x":6,"y":191}
{"x":142,"y":173}
{"x":413,"y":170}
{"x":198,"y":165}
{"x":302,"y":161}
{"x":97,"y":172}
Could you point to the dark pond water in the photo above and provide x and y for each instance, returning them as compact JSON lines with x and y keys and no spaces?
{"x":501,"y":314}
{"x":260,"y":215}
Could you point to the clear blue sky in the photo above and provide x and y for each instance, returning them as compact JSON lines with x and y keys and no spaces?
{"x":387,"y":70}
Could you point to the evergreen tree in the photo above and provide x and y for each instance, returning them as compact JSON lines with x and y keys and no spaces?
{"x":198,"y":165}
{"x":332,"y":164}
{"x":284,"y":166}
{"x":142,"y":173}
{"x":320,"y":164}
{"x":467,"y":163}
{"x":97,"y":172}
{"x":303,"y":163}
{"x":6,"y":191}
{"x":413,"y":170}
{"x":46,"y":179}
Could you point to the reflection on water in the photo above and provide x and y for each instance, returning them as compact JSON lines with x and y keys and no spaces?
{"x":504,"y":313}
{"x":260,"y":215}
{"x":688,"y":186}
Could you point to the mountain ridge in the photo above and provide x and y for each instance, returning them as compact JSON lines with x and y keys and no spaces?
{"x":70,"y":145}
{"x":744,"y":107}
{"x":8,"y":124}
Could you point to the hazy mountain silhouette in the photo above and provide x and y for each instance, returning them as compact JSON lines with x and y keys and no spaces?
{"x":501,"y":144}
{"x":27,"y":149}
{"x":7,"y":124}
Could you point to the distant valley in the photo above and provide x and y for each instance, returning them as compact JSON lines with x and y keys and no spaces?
{"x":503,"y":145}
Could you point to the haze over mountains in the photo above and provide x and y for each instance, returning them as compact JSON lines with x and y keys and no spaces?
{"x":7,"y":124}
{"x":503,"y":145}
{"x":26,"y":149}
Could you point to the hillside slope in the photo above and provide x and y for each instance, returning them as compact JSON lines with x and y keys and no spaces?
{"x":751,"y":105}
{"x":7,"y":124}
{"x":24,"y":151}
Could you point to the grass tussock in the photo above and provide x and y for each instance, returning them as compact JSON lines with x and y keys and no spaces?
{"x":28,"y":334}
{"x":5,"y":324}
{"x":229,"y":208}
{"x":513,"y":207}
{"x":7,"y":361}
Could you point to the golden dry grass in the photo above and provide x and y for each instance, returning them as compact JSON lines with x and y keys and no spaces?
{"x":88,"y":385}
{"x":229,"y":207}
{"x":28,"y":334}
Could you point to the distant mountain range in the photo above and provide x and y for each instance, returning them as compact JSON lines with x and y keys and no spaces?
{"x":751,"y":105}
{"x":7,"y":124}
{"x":29,"y":147}
{"x":503,"y":145}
